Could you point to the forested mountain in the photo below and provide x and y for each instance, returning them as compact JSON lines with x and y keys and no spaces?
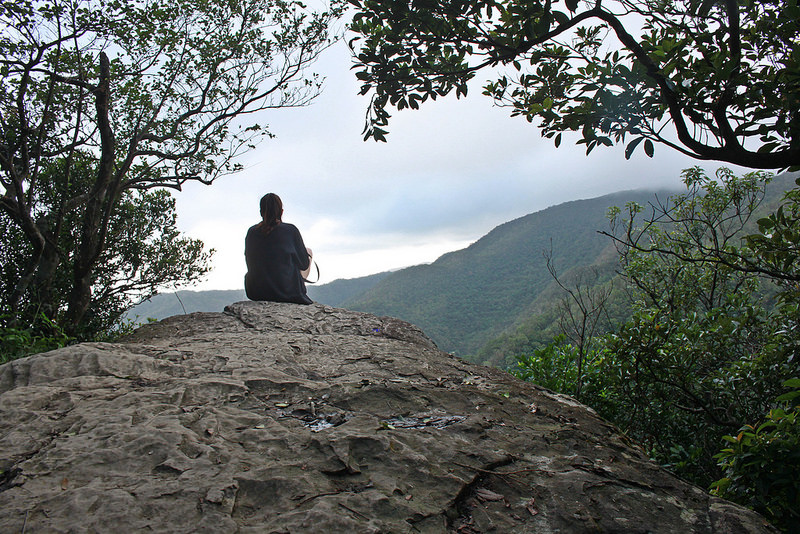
{"x":339,"y":291}
{"x":466,"y":298}
{"x":538,"y":325}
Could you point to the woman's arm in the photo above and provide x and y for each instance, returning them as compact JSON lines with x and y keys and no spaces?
{"x":306,"y":272}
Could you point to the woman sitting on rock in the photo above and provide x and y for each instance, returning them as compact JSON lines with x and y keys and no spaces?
{"x":277,"y":259}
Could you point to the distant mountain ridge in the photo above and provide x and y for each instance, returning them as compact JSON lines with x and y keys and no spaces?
{"x":168,"y":304}
{"x":467,"y":297}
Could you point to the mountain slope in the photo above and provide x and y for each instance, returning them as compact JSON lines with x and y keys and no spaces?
{"x":537,"y":325}
{"x":166,"y":305}
{"x":339,"y":291}
{"x":467,"y":297}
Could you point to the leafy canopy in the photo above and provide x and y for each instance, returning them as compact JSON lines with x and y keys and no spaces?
{"x":703,"y":352}
{"x":714,"y":80}
{"x":104,"y":102}
{"x":145,"y":251}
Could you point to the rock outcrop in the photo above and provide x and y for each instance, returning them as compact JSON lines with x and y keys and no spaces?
{"x":286,"y":418}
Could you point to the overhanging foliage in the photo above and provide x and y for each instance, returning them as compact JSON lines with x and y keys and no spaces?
{"x":714,"y":80}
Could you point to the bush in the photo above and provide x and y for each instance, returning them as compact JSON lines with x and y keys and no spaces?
{"x":18,"y":342}
{"x":762,"y":464}
{"x":552,"y":367}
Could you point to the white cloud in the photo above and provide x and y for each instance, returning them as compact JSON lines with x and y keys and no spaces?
{"x":449,"y":173}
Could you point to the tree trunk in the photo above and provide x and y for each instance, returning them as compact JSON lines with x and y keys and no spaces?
{"x":38,"y":242}
{"x":99,"y":208}
{"x":45,"y":273}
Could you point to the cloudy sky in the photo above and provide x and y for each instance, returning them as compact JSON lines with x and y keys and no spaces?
{"x":449,"y":173}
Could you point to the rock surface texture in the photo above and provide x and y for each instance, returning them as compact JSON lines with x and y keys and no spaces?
{"x":286,"y":418}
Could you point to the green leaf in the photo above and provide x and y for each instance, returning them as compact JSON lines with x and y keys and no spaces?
{"x":648,"y":148}
{"x":632,"y":146}
{"x":560,"y":17}
{"x":766,"y":223}
{"x":789,"y":396}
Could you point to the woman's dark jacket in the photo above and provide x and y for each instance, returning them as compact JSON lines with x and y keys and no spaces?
{"x":274,"y":261}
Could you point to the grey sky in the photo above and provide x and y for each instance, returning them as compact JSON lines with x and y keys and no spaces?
{"x":449,"y":173}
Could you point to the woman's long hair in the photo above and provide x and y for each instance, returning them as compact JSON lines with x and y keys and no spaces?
{"x":271,"y":212}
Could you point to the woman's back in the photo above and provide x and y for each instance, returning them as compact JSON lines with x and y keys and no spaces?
{"x":274,"y":261}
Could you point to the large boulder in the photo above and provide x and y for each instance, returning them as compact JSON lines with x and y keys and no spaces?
{"x":287,"y":418}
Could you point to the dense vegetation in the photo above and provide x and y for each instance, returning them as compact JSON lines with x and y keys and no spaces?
{"x":103,"y":106}
{"x":146,"y":251}
{"x":704,"y":354}
{"x":537,"y":329}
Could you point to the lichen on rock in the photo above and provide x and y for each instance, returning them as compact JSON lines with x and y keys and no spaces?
{"x":288,"y":418}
